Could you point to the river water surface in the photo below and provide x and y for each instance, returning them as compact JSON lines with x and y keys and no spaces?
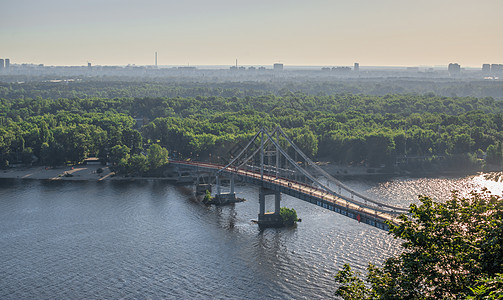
{"x":149,"y":239}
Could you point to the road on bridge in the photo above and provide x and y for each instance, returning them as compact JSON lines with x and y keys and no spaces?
{"x":306,"y":189}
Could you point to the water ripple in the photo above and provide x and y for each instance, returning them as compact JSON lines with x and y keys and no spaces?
{"x":148,"y":239}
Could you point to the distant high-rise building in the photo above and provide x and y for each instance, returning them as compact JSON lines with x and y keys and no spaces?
{"x":341,"y":69}
{"x":7,"y":63}
{"x":454,"y":69}
{"x":278,"y":67}
{"x":356,"y":68}
{"x":496,"y":68}
{"x":1,"y":64}
{"x":235,"y":67}
{"x":89,"y":65}
{"x":486,"y":68}
{"x":156,"y":59}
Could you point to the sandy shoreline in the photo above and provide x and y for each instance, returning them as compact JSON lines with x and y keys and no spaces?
{"x":79,"y":172}
{"x":89,"y":173}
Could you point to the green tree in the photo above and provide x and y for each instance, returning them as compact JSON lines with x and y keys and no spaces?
{"x":289,"y":215}
{"x":495,"y":154}
{"x":132,"y":139}
{"x":26,"y":156}
{"x":207,"y":197}
{"x":118,"y":153}
{"x":53,"y":154}
{"x":157,"y":156}
{"x":306,"y":140}
{"x":122,"y":166}
{"x":488,"y":289}
{"x":379,"y":146}
{"x":448,"y":248}
{"x":138,"y":164}
{"x":351,"y":286}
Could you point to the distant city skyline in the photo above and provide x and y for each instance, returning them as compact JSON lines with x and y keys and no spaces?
{"x":294,"y":32}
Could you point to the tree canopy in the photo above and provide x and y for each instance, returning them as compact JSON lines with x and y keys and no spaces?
{"x":413,"y":131}
{"x":451,"y":250}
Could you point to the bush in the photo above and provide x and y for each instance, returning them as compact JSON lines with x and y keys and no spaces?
{"x":207,"y":197}
{"x":289,"y":216}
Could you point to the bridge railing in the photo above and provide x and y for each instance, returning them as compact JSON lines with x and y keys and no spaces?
{"x":288,"y":183}
{"x":337,"y":182}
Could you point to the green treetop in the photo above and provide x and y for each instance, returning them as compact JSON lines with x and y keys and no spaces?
{"x":451,"y":250}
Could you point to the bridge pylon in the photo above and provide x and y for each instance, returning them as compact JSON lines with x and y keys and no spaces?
{"x":225,"y":198}
{"x":273,"y":162}
{"x":269,"y":219}
{"x":203,"y":182}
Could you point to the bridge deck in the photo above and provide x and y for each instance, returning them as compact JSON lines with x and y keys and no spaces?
{"x":307,"y":192}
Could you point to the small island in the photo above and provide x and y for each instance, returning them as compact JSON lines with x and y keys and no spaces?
{"x":289,"y":216}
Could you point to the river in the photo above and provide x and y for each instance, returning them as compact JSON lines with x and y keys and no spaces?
{"x":149,"y":239}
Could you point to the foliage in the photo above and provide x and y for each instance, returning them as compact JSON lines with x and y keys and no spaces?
{"x":411,"y":131}
{"x":289,"y":215}
{"x":495,"y":154}
{"x":138,"y":164}
{"x":207,"y":197}
{"x":157,"y":156}
{"x":173,"y":86}
{"x":488,"y":288}
{"x":448,"y":248}
{"x":119,"y":153}
{"x":351,"y":286}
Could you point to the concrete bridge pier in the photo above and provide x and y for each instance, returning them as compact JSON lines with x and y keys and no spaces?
{"x":203,"y":183}
{"x":224,"y":198}
{"x":269,"y":219}
{"x":232,"y":184}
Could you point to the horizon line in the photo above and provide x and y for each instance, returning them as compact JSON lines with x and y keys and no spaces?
{"x":247,"y":65}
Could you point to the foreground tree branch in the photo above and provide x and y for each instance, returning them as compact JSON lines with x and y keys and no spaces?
{"x":452,"y":250}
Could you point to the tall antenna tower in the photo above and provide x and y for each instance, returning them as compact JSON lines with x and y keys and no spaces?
{"x":236,"y":63}
{"x":156,"y":59}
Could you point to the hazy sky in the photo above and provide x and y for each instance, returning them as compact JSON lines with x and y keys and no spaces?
{"x":256,"y":32}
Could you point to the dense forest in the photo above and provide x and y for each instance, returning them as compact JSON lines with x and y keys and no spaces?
{"x":424,"y":132}
{"x":54,"y":87}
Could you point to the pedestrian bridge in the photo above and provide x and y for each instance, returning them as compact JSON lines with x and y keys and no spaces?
{"x":264,"y":163}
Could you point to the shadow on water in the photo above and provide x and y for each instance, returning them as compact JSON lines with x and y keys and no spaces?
{"x":272,"y":239}
{"x":10,"y":182}
{"x":128,"y":184}
{"x":226,"y":216}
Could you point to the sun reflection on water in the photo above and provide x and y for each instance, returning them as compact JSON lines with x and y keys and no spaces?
{"x":403,"y":191}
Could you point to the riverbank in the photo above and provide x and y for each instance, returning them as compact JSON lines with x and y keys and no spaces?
{"x":78,"y":172}
{"x":90,"y":173}
{"x":345,"y":171}
{"x":73,"y":173}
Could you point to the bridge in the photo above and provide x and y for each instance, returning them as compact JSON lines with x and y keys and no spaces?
{"x":273,"y":162}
